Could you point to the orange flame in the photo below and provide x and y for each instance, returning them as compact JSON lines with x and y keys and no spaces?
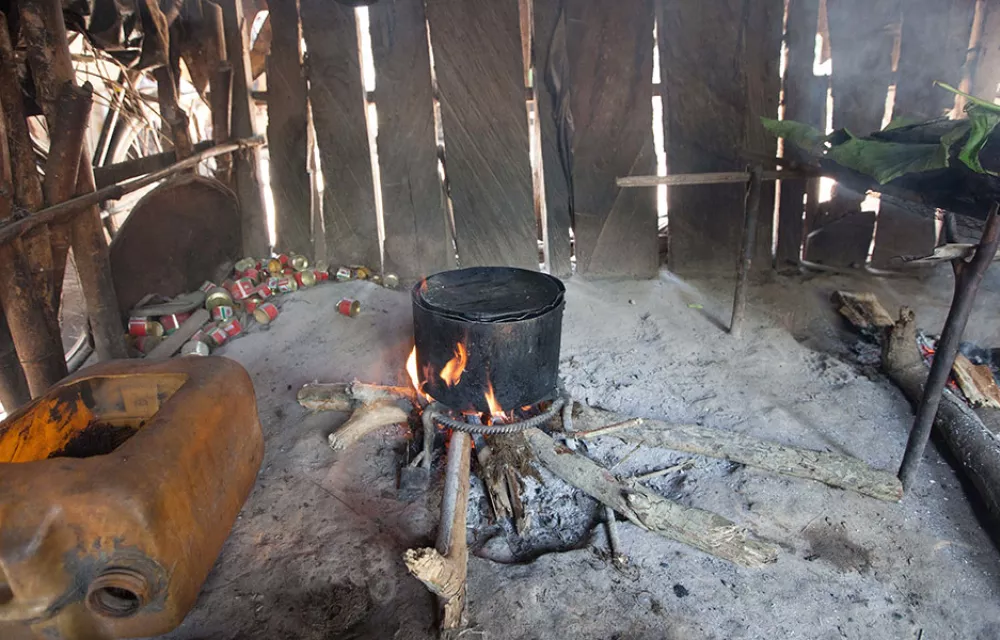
{"x":495,"y":409}
{"x":452,"y":372}
{"x":411,"y":370}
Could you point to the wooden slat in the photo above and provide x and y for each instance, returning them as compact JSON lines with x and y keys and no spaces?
{"x":287,"y":119}
{"x":552,"y":100}
{"x":417,"y":235}
{"x":861,"y":41}
{"x":337,"y":98}
{"x":246,"y":165}
{"x":987,"y":76}
{"x":720,"y":69}
{"x":477,"y":56}
{"x":800,"y":105}
{"x":935,"y":37}
{"x":610,"y":49}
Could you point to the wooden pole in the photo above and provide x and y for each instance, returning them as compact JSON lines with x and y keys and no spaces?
{"x":968,"y":277}
{"x":171,"y":112}
{"x":721,"y":177}
{"x":245,"y":165}
{"x":51,"y":65}
{"x":71,"y":208}
{"x":121,"y":171}
{"x":746,"y":254}
{"x":222,"y":106}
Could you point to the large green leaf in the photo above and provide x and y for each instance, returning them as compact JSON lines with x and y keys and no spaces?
{"x":982,"y":123}
{"x":804,"y":136}
{"x":886,"y":161}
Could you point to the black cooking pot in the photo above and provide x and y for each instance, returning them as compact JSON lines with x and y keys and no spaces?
{"x":498,"y":327}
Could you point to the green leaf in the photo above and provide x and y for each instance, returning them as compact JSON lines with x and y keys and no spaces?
{"x":973,"y":100}
{"x":804,"y":136}
{"x":982,"y":123}
{"x":901,"y":121}
{"x":886,"y":161}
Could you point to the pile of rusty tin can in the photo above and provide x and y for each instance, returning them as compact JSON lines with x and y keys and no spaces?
{"x":250,"y":294}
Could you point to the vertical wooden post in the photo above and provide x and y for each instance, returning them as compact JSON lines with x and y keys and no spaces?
{"x":171,"y":112}
{"x":552,"y":100}
{"x":751,"y":213}
{"x":287,"y":120}
{"x":221,"y":98}
{"x":246,"y":164}
{"x":48,"y":55}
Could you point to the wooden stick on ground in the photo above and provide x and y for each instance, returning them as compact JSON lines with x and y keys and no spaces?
{"x":750,"y":217}
{"x":444,"y":569}
{"x":374,"y":407}
{"x":703,"y":530}
{"x":829,"y":468}
{"x":367,"y":418}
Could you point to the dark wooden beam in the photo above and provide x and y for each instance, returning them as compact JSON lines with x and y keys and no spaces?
{"x":121,"y":171}
{"x":480,"y":74}
{"x":552,"y":91}
{"x":287,"y":120}
{"x":418,"y":240}
{"x":336,"y":94}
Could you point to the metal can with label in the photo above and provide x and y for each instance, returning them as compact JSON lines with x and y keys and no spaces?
{"x":299,"y":263}
{"x":218,"y":335}
{"x":144,"y":327}
{"x":264,"y":292}
{"x":222,"y":312}
{"x":218,"y":297}
{"x":173,"y":321}
{"x":253,"y":273}
{"x":195,"y":348}
{"x":287,"y":285}
{"x":305,"y":278}
{"x":232,"y":327}
{"x":348,"y":307}
{"x":390,"y":281}
{"x":344,"y":274}
{"x":201,"y":335}
{"x":283,"y":259}
{"x":322,"y":265}
{"x":274,"y":266}
{"x":207,"y":286}
{"x":321,"y":276}
{"x":251,"y":303}
{"x":242,"y":288}
{"x":361,"y":273}
{"x":265,"y":313}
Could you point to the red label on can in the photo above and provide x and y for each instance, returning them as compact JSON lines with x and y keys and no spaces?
{"x":218,"y":335}
{"x":232,"y":327}
{"x":242,"y":288}
{"x":287,"y":285}
{"x":252,"y":273}
{"x":222,"y":312}
{"x":349,"y":307}
{"x":283,"y":258}
{"x":174,"y":321}
{"x":206,"y":286}
{"x":264,"y":291}
{"x":321,"y":275}
{"x":144,"y":327}
{"x":265,"y":313}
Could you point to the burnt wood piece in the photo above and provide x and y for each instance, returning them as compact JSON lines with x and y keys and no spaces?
{"x":49,"y":58}
{"x":986,"y":77}
{"x":935,"y":37}
{"x":968,"y":277}
{"x":121,"y":171}
{"x":609,"y":45}
{"x":418,"y":238}
{"x":176,"y":233}
{"x":287,"y":119}
{"x":802,"y":104}
{"x":552,"y":103}
{"x":338,"y":110}
{"x":480,"y":75}
{"x":246,"y":163}
{"x":714,"y":116}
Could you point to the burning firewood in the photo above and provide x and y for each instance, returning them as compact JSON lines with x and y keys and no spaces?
{"x":833,"y":469}
{"x":503,"y":461}
{"x":703,"y":530}
{"x":443,"y":569}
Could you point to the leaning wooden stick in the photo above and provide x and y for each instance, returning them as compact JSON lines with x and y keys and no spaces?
{"x":833,"y":469}
{"x":366,"y":419}
{"x":374,"y":407}
{"x":444,"y":569}
{"x":703,"y":530}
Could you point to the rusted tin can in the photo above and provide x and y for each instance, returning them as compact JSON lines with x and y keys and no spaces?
{"x":222,"y":312}
{"x":242,"y":288}
{"x":244,"y":264}
{"x":361,"y":273}
{"x":299,"y":263}
{"x":274,"y":266}
{"x":287,"y":285}
{"x":207,"y":286}
{"x":305,"y":278}
{"x":144,"y":327}
{"x":218,"y":297}
{"x":147,"y":343}
{"x":232,"y":327}
{"x":173,"y":321}
{"x":251,"y":303}
{"x":344,"y":274}
{"x":218,"y":335}
{"x":265,"y":313}
{"x":195,"y":348}
{"x":348,"y":307}
{"x":321,"y":276}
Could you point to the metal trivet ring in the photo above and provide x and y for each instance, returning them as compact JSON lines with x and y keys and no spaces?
{"x":499,"y":429}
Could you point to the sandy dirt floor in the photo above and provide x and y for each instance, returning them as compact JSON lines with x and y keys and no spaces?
{"x":316,"y":552}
